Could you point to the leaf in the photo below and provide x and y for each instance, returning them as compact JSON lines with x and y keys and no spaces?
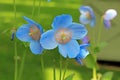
{"x":70,"y":77}
{"x":90,"y":61}
{"x":107,"y":76}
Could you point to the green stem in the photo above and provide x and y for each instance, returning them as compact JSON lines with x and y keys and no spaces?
{"x":16,"y":62}
{"x":94,"y":74}
{"x":15,"y":44}
{"x":14,"y":3}
{"x":60,"y":67}
{"x":42,"y":70}
{"x":99,"y":32}
{"x":54,"y":71}
{"x":39,"y":7}
{"x":22,"y":66}
{"x":94,"y":68}
{"x":33,"y":10}
{"x":65,"y":69}
{"x":93,"y":36}
{"x":92,"y":41}
{"x":42,"y":63}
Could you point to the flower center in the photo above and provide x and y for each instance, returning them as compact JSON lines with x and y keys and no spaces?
{"x":88,"y":15}
{"x":34,"y":32}
{"x":63,"y":36}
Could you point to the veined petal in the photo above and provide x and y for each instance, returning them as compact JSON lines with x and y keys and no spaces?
{"x":35,"y":47}
{"x":62,"y":21}
{"x":48,"y":41}
{"x":71,"y":49}
{"x":110,"y":14}
{"x":107,"y":23}
{"x":30,"y":21}
{"x":83,"y":19}
{"x":78,"y":31}
{"x":23,"y":33}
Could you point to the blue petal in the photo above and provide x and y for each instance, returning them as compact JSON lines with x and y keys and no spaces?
{"x":30,"y":21}
{"x":84,"y":20}
{"x":78,"y":31}
{"x":93,"y":19}
{"x":40,"y":28}
{"x":48,"y":41}
{"x":35,"y":47}
{"x":92,"y":22}
{"x":23,"y":33}
{"x":85,"y":9}
{"x":107,"y":24}
{"x":62,"y":21}
{"x":78,"y":60}
{"x":83,"y":51}
{"x":110,"y":14}
{"x":71,"y":49}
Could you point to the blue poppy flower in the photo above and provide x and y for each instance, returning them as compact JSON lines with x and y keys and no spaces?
{"x":64,"y":35}
{"x":108,"y":16}
{"x":87,"y":15}
{"x":83,"y":53}
{"x":31,"y":32}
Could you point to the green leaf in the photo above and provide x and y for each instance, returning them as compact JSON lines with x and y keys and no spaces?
{"x":90,"y":61}
{"x":70,"y":77}
{"x":107,"y":76}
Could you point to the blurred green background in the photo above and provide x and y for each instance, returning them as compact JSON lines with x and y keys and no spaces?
{"x":44,"y":15}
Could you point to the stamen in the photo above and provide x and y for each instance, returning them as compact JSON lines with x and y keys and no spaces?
{"x":63,"y":36}
{"x":88,"y":15}
{"x":35,"y":32}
